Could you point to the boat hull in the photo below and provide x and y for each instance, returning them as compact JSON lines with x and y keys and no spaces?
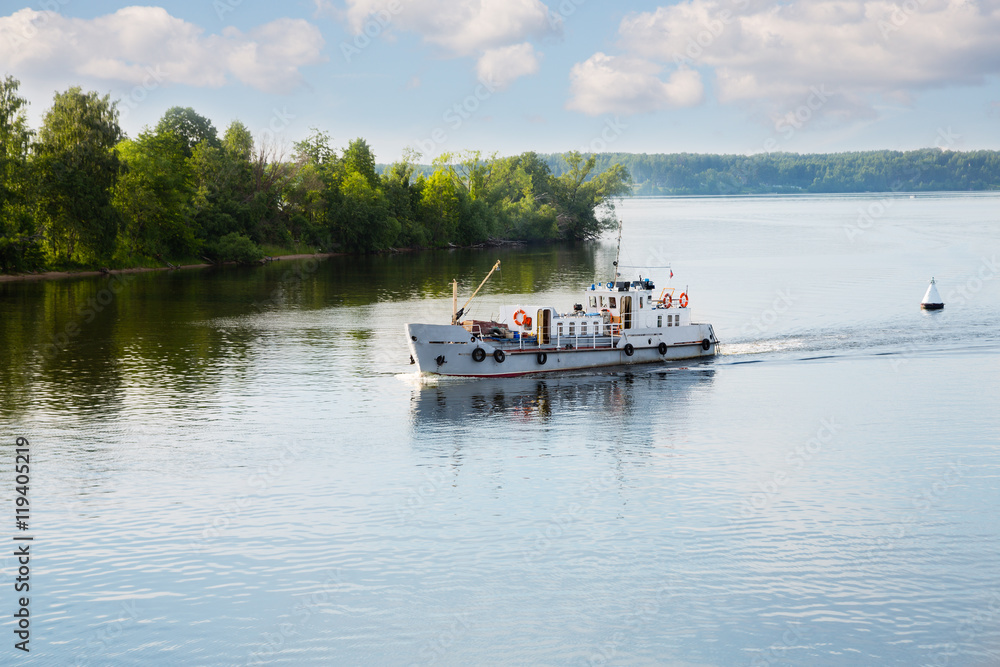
{"x":451,"y":350}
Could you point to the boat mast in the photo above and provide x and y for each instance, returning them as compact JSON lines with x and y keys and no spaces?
{"x":618,"y":252}
{"x":454,"y":297}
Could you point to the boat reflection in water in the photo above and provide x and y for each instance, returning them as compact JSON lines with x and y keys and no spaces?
{"x":625,"y":400}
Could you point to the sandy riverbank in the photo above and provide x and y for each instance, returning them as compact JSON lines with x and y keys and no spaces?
{"x":56,"y":275}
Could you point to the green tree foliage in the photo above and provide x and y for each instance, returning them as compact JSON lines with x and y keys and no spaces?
{"x":237,"y":248}
{"x":77,"y":168}
{"x":153,"y":196}
{"x":20,"y":247}
{"x":189,"y":126}
{"x":358,"y":158}
{"x":87,"y":195}
{"x":578,"y":196}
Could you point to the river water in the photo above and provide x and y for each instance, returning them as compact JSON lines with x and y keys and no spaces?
{"x":240,"y":466}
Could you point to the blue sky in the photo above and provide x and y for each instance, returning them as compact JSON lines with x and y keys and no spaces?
{"x":707,"y":76}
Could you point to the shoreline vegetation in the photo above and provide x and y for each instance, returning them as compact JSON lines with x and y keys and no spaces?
{"x":78,"y":197}
{"x":77,"y":194}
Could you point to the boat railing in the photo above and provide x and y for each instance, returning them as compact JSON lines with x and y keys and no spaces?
{"x":521,"y":341}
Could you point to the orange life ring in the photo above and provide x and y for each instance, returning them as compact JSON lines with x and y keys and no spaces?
{"x":684,"y":300}
{"x":668,"y":300}
{"x":522,"y":315}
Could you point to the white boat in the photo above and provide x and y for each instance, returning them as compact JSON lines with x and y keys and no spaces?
{"x":617,"y":323}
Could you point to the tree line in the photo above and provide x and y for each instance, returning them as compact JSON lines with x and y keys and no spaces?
{"x":929,"y":169}
{"x":78,"y":192}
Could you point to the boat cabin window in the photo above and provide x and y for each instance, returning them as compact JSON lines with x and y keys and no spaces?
{"x":583,"y":329}
{"x":593,"y":302}
{"x":611,"y":302}
{"x":572,"y":328}
{"x":677,"y":320}
{"x":670,"y":321}
{"x":659,"y":320}
{"x":559,"y":329}
{"x":603,"y":304}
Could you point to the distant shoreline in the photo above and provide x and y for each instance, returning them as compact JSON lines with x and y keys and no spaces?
{"x":58,"y":275}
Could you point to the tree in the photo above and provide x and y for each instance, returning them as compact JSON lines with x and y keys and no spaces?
{"x":315,"y":148}
{"x":238,"y":141}
{"x":77,"y":169}
{"x":578,"y":196}
{"x":189,"y":126}
{"x":19,"y":241}
{"x":153,"y":196}
{"x":358,"y":157}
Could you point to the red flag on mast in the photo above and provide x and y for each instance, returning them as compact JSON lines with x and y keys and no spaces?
{"x":671,"y":273}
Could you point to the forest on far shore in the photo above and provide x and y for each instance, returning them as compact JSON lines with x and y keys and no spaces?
{"x":78,"y":193}
{"x":929,"y":169}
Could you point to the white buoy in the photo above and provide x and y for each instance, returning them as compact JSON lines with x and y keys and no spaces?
{"x":932,"y":300}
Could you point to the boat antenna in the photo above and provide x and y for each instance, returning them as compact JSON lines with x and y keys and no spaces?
{"x":618,"y":252}
{"x":461,"y":311}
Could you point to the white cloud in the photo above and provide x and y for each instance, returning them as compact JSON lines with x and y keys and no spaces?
{"x":462,"y":27}
{"x":126,"y":46}
{"x":771,"y":53}
{"x":502,"y":66}
{"x":609,"y":84}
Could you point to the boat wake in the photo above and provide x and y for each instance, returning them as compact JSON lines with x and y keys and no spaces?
{"x":878,"y":339}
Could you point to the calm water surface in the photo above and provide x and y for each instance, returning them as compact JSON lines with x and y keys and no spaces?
{"x":239,"y":466}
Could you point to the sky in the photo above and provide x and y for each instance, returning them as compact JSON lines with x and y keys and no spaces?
{"x":508,"y":76}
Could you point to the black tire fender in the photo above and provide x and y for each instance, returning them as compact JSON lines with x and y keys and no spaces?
{"x":629,"y":349}
{"x":662,"y":348}
{"x":542,"y":358}
{"x":478,"y":354}
{"x":705,"y":344}
{"x":499,"y":356}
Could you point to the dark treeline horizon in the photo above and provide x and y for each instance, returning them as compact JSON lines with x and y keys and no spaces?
{"x":78,"y":192}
